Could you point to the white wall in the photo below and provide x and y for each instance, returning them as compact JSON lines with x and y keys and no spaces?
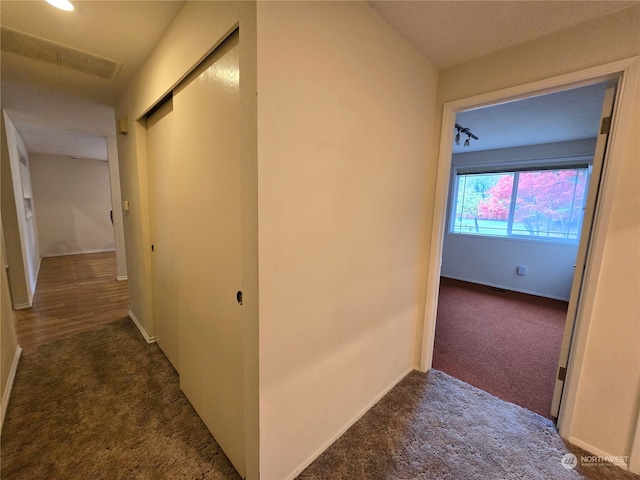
{"x":73,"y":201}
{"x":20,"y":225}
{"x":492,"y":260}
{"x":606,"y":398}
{"x":345,"y":113}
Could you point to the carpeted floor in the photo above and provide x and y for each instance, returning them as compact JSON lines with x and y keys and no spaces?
{"x":505,"y":343}
{"x":433,"y":426}
{"x":105,"y":405}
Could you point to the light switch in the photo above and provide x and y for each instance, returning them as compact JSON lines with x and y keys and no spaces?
{"x":125,"y":205}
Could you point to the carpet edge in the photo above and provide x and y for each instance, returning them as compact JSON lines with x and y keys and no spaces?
{"x":299,"y":469}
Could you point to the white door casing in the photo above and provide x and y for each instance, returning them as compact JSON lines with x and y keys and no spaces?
{"x":627,"y":70}
{"x":583,"y":247}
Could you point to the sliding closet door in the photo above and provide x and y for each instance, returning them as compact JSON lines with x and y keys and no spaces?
{"x":208,"y":229}
{"x":162,"y":208}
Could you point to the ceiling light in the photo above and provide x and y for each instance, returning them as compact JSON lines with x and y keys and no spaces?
{"x":65,"y":5}
{"x":467,"y":132}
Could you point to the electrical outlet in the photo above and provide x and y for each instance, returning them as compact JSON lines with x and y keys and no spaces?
{"x":522,"y":270}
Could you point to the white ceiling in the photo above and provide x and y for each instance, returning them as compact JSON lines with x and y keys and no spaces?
{"x":67,"y":112}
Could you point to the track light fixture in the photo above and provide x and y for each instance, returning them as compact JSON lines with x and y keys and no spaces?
{"x":467,"y":132}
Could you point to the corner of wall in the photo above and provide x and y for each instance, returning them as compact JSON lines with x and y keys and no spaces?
{"x":9,"y":348}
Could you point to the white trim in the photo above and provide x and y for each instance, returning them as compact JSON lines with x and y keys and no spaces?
{"x":593,"y":451}
{"x":627,"y":71}
{"x":142,"y":330}
{"x":346,"y":427}
{"x":615,"y":150}
{"x":509,"y":289}
{"x":6,"y":396}
{"x":121,"y":278}
{"x":81,"y":252}
{"x":35,"y":284}
{"x":22,"y":306}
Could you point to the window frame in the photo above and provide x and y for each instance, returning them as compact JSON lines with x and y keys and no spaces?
{"x":530,"y":165}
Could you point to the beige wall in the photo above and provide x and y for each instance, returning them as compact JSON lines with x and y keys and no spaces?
{"x":9,"y":350}
{"x":347,"y":164}
{"x":73,"y":201}
{"x":345,"y":115}
{"x":606,"y":403}
{"x":196,"y":31}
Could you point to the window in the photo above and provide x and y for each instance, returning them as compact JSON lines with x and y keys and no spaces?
{"x":540,"y":204}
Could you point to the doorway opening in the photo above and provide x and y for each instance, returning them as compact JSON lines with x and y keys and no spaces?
{"x":518,"y":191}
{"x":589,"y":256}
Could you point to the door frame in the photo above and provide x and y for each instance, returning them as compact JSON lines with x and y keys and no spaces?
{"x":626,"y":71}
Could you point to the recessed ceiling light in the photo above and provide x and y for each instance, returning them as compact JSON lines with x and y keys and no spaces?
{"x":61,"y":4}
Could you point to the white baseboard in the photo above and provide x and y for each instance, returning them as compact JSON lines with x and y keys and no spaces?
{"x":618,"y":460}
{"x":144,"y":333}
{"x":80,"y":252}
{"x":121,"y":278}
{"x":346,"y":427}
{"x":21,"y":306}
{"x":9,"y":386}
{"x":511,"y":289}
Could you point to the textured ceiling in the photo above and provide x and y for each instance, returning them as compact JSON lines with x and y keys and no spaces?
{"x":55,"y":106}
{"x":557,"y":117}
{"x":452,"y":32}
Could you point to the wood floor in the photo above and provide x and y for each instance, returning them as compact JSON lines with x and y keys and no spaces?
{"x":75,"y":293}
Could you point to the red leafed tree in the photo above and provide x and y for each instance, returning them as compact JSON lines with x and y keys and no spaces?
{"x":495,"y":205}
{"x":547,"y":200}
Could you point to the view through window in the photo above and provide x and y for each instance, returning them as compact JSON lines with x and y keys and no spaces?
{"x":541,"y":204}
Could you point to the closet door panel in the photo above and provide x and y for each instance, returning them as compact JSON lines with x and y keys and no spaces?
{"x":162,"y":208}
{"x":208,"y":229}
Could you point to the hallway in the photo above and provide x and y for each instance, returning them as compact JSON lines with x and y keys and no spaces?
{"x":75,"y":293}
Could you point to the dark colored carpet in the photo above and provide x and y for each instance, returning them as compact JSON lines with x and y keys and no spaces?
{"x":432,"y":426}
{"x":105,"y":405}
{"x":505,"y":343}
